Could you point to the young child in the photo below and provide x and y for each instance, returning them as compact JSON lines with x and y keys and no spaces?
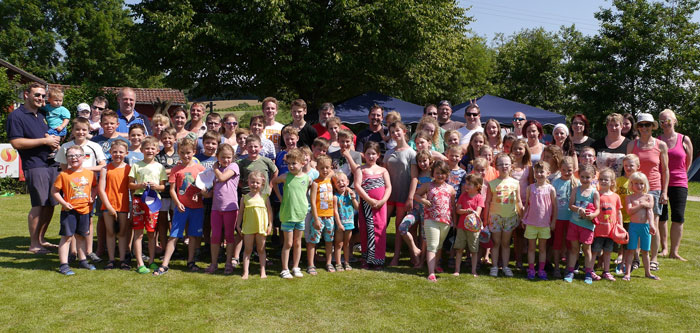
{"x":294,"y":207}
{"x":188,"y":200}
{"x":136,"y":136}
{"x":114,"y":190}
{"x":424,"y":163}
{"x":213,"y":122}
{"x":322,"y":209}
{"x":585,"y":207}
{"x":145,"y":174}
{"x":333,"y":125}
{"x":169,"y":158}
{"x":109,"y":123}
{"x":224,"y":206}
{"x":553,"y":155}
{"x":639,"y":206}
{"x":521,"y":170}
{"x":508,"y":141}
{"x":254,"y":223}
{"x":438,"y":199}
{"x":452,"y":138}
{"x":630,"y":163}
{"x":487,"y":153}
{"x":257,"y":126}
{"x":564,"y":186}
{"x":95,"y":117}
{"x":481,"y":167}
{"x":159,"y":123}
{"x":207,"y":158}
{"x":57,"y":116}
{"x":504,"y":208}
{"x":229,"y":133}
{"x":469,"y":202}
{"x":78,"y":195}
{"x":472,"y":150}
{"x":455,"y":179}
{"x":539,"y":218}
{"x":422,"y":142}
{"x":344,"y":206}
{"x":588,"y":157}
{"x":346,"y":160}
{"x":390,"y":118}
{"x":290,"y":137}
{"x":255,"y":162}
{"x":610,"y":215}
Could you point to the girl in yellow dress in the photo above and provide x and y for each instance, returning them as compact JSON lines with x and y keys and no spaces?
{"x":254,"y":223}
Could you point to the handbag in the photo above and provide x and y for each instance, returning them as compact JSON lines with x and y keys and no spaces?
{"x":619,"y":235}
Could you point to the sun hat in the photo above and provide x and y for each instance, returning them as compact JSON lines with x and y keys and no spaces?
{"x":563,"y":127}
{"x":83,"y":107}
{"x":647,"y":118}
{"x":151,"y":199}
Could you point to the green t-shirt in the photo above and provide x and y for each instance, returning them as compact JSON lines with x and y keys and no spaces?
{"x":263,"y":164}
{"x":294,"y":202}
{"x":142,"y":173}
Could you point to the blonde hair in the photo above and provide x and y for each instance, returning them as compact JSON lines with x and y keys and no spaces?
{"x":430,"y":120}
{"x":640,"y":177}
{"x":392,"y":116}
{"x":557,"y":156}
{"x":150,"y":140}
{"x":610,"y":173}
{"x":498,"y":135}
{"x":55,"y":92}
{"x":481,"y":162}
{"x":323,"y":160}
{"x":632,"y":158}
{"x":526,"y":157}
{"x":294,"y":155}
{"x":160,"y":119}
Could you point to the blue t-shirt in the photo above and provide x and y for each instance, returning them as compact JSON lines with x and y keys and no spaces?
{"x":282,"y":169}
{"x":582,"y":201}
{"x":55,"y":116}
{"x":106,"y":144}
{"x":22,"y":123}
{"x":346,"y":211}
{"x":134,"y":156}
{"x":136,"y":118}
{"x":563,"y":189}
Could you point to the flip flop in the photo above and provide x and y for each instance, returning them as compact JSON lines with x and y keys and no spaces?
{"x":653,"y":277}
{"x":40,"y":251}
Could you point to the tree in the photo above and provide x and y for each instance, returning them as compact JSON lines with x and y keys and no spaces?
{"x":316,"y":50}
{"x":644,"y":59}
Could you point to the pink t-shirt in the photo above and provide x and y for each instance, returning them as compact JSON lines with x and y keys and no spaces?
{"x":441,"y":208}
{"x":467,"y":202}
{"x":539,"y":213}
{"x":225,"y":196}
{"x":610,"y":205}
{"x":649,"y":162}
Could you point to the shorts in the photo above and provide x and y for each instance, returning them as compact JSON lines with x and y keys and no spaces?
{"x":313,"y":235}
{"x":559,"y":240}
{"x":533,"y":232}
{"x":291,"y":226}
{"x":656,"y":208}
{"x":73,"y":223}
{"x":53,"y":131}
{"x":467,"y":239}
{"x":435,"y":234}
{"x":142,"y":217}
{"x":195,"y":217}
{"x":579,"y":234}
{"x":677,"y":197}
{"x":348,"y":225}
{"x":396,"y":203}
{"x":167,"y":204}
{"x":39,"y":184}
{"x":602,"y":243}
{"x":502,"y":224}
{"x":639,"y":237}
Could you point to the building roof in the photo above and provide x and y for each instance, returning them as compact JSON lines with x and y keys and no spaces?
{"x":145,"y":95}
{"x":26,"y":76}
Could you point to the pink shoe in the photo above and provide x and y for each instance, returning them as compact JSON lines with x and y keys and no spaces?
{"x":608,"y":276}
{"x":432,"y":278}
{"x":595,"y":276}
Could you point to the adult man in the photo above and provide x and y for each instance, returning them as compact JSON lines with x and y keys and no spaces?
{"x":196,"y":123}
{"x":127,"y":115}
{"x":472,"y":114}
{"x":307,"y":133}
{"x":327,"y":111}
{"x":27,"y":131}
{"x":99,"y":104}
{"x":444,"y":114}
{"x":372,"y":133}
{"x":519,"y":120}
{"x":273,"y":129}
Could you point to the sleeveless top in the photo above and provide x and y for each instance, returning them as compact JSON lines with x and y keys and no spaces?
{"x":677,"y":168}
{"x":440,"y":209}
{"x":255,"y":218}
{"x":649,"y":162}
{"x":346,"y":211}
{"x":582,"y":201}
{"x":324,"y":198}
{"x":539,"y":213}
{"x":295,"y":204}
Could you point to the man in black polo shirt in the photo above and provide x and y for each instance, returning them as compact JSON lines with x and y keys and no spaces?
{"x":372,"y":133}
{"x":27,"y":131}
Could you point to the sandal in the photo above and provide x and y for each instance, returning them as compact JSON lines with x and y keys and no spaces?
{"x":653,"y":277}
{"x":311,"y":270}
{"x":625,"y":278}
{"x":635,"y":264}
{"x":595,"y":276}
{"x":124,"y":266}
{"x":229,"y":269}
{"x":653,"y":266}
{"x":348,"y":267}
{"x":339,"y":268}
{"x":160,"y":271}
{"x":192,"y":267}
{"x":608,"y":276}
{"x":330,"y":268}
{"x":110,"y":265}
{"x":211,"y":269}
{"x":235,"y":262}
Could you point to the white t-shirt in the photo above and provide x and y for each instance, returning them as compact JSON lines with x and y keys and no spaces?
{"x":467,"y":134}
{"x":93,"y":153}
{"x":274,"y":134}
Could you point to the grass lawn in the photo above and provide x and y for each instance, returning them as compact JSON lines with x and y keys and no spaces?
{"x":37,"y":298}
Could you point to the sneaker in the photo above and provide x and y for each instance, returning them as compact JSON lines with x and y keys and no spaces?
{"x":588,"y":279}
{"x":507,"y":272}
{"x":86,"y":265}
{"x":542,"y":275}
{"x":296,"y":271}
{"x":94,"y":258}
{"x":494,"y":271}
{"x":530,"y":274}
{"x":569,"y":277}
{"x":65,"y":270}
{"x":608,"y":276}
{"x":620,"y":269}
{"x":143,"y":270}
{"x":153,"y":266}
{"x":285,"y":274}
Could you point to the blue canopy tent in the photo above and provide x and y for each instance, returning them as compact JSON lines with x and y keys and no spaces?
{"x":355,"y":110}
{"x":502,"y":110}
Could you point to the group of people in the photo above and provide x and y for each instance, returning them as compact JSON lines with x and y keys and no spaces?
{"x":480,"y":188}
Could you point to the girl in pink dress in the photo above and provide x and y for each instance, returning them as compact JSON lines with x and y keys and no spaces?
{"x":374,"y":187}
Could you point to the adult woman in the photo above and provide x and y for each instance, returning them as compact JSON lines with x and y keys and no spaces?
{"x":533,"y":132}
{"x":229,"y":130}
{"x":579,"y":132}
{"x":653,"y":162}
{"x":492,"y":129}
{"x":628,"y":126}
{"x":430,"y":125}
{"x":612,"y":148}
{"x":178,"y":119}
{"x":680,"y":154}
{"x":398,"y":162}
{"x":563,"y":141}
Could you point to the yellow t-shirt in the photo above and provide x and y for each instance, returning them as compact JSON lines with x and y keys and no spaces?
{"x":503,"y":200}
{"x":623,"y":191}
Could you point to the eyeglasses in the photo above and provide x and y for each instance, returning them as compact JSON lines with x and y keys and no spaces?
{"x":39,"y":95}
{"x":97,"y":108}
{"x":645,"y":124}
{"x":470,"y":114}
{"x":72,"y":156}
{"x":231,"y":123}
{"x":578,"y":123}
{"x":518,"y":119}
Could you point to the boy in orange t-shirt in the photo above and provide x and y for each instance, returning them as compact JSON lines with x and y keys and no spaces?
{"x":78,"y":195}
{"x":322,"y":212}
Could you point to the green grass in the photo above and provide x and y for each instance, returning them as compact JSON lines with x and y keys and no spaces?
{"x":36,"y":298}
{"x":694,"y":189}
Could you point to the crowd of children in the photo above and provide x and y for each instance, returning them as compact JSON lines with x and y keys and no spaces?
{"x":482,"y":197}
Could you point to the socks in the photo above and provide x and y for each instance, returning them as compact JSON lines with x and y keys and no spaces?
{"x":531,"y":266}
{"x":570,"y":269}
{"x":589,"y":271}
{"x":541,"y":266}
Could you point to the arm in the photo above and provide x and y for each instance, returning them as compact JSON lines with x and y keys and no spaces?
{"x":420,"y":193}
{"x":518,"y":203}
{"x":135,"y":186}
{"x":453,"y":218}
{"x":268,"y":228}
{"x":175,"y":199}
{"x":353,"y":198}
{"x":56,"y":195}
{"x":222,"y":176}
{"x":24,"y":143}
{"x":555,"y":207}
{"x":664,"y":171}
{"x":351,"y":162}
{"x":387,"y":191}
{"x":314,"y":211}
{"x":276,"y":181}
{"x":688,"y":146}
{"x":63,"y":125}
{"x":487,"y":203}
{"x":412,"y":187}
{"x":596,"y":203}
{"x":572,"y":202}
{"x":358,"y":187}
{"x":336,"y":215}
{"x":96,"y":168}
{"x":527,"y":201}
{"x":239,"y":218}
{"x":103,"y":193}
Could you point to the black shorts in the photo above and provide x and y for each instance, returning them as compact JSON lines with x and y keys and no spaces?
{"x":73,"y":222}
{"x":677,"y":197}
{"x":39,"y":184}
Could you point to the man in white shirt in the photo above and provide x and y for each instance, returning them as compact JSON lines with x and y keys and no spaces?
{"x":472,"y":114}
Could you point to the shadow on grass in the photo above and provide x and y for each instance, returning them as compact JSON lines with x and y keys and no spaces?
{"x":14,"y":253}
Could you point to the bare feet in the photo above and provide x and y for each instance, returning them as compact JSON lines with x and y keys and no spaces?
{"x":475,"y":275}
{"x":394,"y":261}
{"x":664,"y":252}
{"x":653,"y":277}
{"x":244,"y":277}
{"x":49,"y":245}
{"x":39,"y":250}
{"x":677,"y":257}
{"x":626,"y":278}
{"x":455,"y":273}
{"x":263,"y":276}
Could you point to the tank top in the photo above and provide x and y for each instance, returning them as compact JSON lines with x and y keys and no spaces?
{"x":324,"y":198}
{"x":441,"y":208}
{"x":346,"y":211}
{"x":295,"y":205}
{"x":117,"y":187}
{"x":582,"y":201}
{"x":677,"y":169}
{"x":649,"y":161}
{"x":539,"y":213}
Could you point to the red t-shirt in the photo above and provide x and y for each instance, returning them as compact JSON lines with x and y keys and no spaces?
{"x":465,"y":202}
{"x":610,"y":204}
{"x":323,"y":132}
{"x":183,"y":178}
{"x":77,"y":188}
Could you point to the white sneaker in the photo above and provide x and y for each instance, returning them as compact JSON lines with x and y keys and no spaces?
{"x":296,"y":271}
{"x":494,"y":271}
{"x":285,"y":274}
{"x":507,"y":272}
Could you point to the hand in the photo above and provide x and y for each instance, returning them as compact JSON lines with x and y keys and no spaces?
{"x":352,"y":194}
{"x":51,"y":141}
{"x":552,"y":225}
{"x":378,"y":204}
{"x":67,"y":206}
{"x":238,"y":229}
{"x":652,"y":230}
{"x":112,"y":212}
{"x":426,"y":202}
{"x":408,"y":206}
{"x":663,"y":199}
{"x":216,"y":165}
{"x":181,"y":207}
{"x":317,"y":224}
{"x":269,"y":229}
{"x":341,"y":228}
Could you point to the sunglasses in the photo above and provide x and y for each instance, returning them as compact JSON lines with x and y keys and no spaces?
{"x":231,"y":123}
{"x":518,"y":119}
{"x":97,"y":108}
{"x":645,"y":124}
{"x":39,"y":95}
{"x":470,"y":114}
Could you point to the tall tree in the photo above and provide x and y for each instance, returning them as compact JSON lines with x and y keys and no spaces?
{"x":316,"y":50}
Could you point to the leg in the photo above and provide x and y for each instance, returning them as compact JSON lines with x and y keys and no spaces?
{"x":44,"y":220}
{"x":338,"y":246}
{"x":347,"y":247}
{"x":101,"y":235}
{"x":629,"y":257}
{"x":137,"y":247}
{"x":192,"y":247}
{"x":33,"y":225}
{"x":89,"y":238}
{"x":123,"y":235}
{"x":458,"y":261}
{"x":589,"y":259}
{"x":606,"y":261}
{"x":169,"y":249}
{"x":430,"y":257}
{"x":310,"y":252}
{"x":573,"y":255}
{"x":63,"y":249}
{"x":151,"y":246}
{"x":505,"y":247}
{"x":676,"y":236}
{"x":108,"y":222}
{"x":663,"y":236}
{"x":260,"y":241}
{"x":400,"y":214}
{"x":286,"y":246}
{"x":543,"y":253}
{"x":163,"y":224}
{"x":249,"y":242}
{"x":296,"y":244}
{"x":496,"y":236}
{"x":531,"y":248}
{"x":655,"y":241}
